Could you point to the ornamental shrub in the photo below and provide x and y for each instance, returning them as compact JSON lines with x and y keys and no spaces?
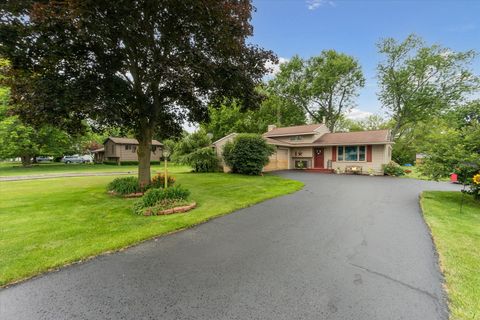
{"x":468,"y":175}
{"x":247,"y":154}
{"x":202,"y":160}
{"x":158,"y":181}
{"x":475,"y":187}
{"x":155,"y":196}
{"x":124,"y":185}
{"x":393,"y":169}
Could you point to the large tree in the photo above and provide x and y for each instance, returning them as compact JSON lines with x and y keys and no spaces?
{"x":324,"y":85}
{"x":230,"y":117}
{"x":418,"y":82}
{"x":145,"y":65}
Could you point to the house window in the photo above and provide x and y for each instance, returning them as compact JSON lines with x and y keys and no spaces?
{"x":128,"y":147}
{"x":154,"y":149}
{"x":351,"y":153}
{"x":296,"y":138}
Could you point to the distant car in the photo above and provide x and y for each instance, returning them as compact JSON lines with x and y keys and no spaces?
{"x":76,"y":159}
{"x":43,"y":159}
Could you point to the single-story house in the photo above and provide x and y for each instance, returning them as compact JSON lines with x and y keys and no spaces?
{"x":124,"y":149}
{"x":315,"y":148}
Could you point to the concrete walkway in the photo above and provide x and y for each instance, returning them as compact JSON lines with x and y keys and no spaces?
{"x":345,"y":247}
{"x":64,"y":175}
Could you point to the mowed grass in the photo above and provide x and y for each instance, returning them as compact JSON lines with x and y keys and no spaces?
{"x":457,"y":238}
{"x":8,"y":169}
{"x":416,"y":174}
{"x":49,"y":223}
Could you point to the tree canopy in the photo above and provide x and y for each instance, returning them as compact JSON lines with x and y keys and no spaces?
{"x":144,"y":65}
{"x":324,"y":85}
{"x":418,"y":82}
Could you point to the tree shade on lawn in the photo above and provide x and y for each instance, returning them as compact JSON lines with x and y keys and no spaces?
{"x":457,"y":238}
{"x":49,"y":223}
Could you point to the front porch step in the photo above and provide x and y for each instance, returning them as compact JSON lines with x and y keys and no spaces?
{"x":320,"y":170}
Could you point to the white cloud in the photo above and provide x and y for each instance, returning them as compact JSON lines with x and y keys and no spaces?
{"x":357,"y":114}
{"x":315,"y":4}
{"x":275,"y":68}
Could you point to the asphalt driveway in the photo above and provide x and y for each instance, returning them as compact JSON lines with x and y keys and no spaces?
{"x":345,"y":247}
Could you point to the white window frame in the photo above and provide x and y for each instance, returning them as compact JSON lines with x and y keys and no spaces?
{"x":358,"y":153}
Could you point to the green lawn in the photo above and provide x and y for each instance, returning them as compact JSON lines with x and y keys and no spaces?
{"x":16,"y":169}
{"x":49,"y":223}
{"x":457,"y":238}
{"x":416,"y":174}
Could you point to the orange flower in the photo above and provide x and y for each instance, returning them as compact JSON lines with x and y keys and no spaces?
{"x":476,"y":178}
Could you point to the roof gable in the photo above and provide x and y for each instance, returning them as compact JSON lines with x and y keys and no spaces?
{"x":308,"y":129}
{"x":118,"y":140}
{"x":358,"y":137}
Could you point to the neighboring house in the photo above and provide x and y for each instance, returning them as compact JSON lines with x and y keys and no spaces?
{"x":314,"y":147}
{"x":124,"y":149}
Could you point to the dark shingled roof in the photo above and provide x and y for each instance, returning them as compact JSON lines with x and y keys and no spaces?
{"x":376,"y":136}
{"x":131,"y":141}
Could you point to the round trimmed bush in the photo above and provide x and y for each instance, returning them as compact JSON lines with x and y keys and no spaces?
{"x":247,"y":154}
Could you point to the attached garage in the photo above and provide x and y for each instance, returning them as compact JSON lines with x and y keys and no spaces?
{"x":278,"y":160}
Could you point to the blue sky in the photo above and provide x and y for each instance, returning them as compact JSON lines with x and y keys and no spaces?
{"x":306,"y":27}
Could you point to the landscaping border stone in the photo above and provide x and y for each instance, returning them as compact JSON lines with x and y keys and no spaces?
{"x":171,"y":210}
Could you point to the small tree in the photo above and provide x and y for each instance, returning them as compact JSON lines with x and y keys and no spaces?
{"x":203,"y":160}
{"x":247,"y":154}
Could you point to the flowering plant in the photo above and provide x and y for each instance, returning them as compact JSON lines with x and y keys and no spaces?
{"x":476,"y":178}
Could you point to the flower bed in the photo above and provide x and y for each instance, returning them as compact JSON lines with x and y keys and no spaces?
{"x":128,"y":195}
{"x":169,"y":207}
{"x":164,"y":201}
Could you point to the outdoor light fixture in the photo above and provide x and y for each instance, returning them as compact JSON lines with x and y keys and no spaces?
{"x":166,"y":154}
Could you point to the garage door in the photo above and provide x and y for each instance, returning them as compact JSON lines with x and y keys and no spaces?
{"x":278,"y":161}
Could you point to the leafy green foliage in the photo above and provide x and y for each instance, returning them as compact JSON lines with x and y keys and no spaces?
{"x":393,"y":169}
{"x":202,"y":160}
{"x":448,"y":148}
{"x":324,"y":85}
{"x":124,"y":185}
{"x":189,"y":143}
{"x":112,"y":62}
{"x":158,"y":181}
{"x":230,"y":118}
{"x":469,"y":175}
{"x":155,"y":196}
{"x":247,"y":154}
{"x":372,"y":122}
{"x":160,"y":206}
{"x":418,"y":82}
{"x":194,"y":149}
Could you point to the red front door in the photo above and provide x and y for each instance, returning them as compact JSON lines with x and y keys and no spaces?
{"x":318,"y":158}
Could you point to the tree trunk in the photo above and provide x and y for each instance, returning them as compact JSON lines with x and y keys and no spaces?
{"x":143,"y":152}
{"x":26,"y":160}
